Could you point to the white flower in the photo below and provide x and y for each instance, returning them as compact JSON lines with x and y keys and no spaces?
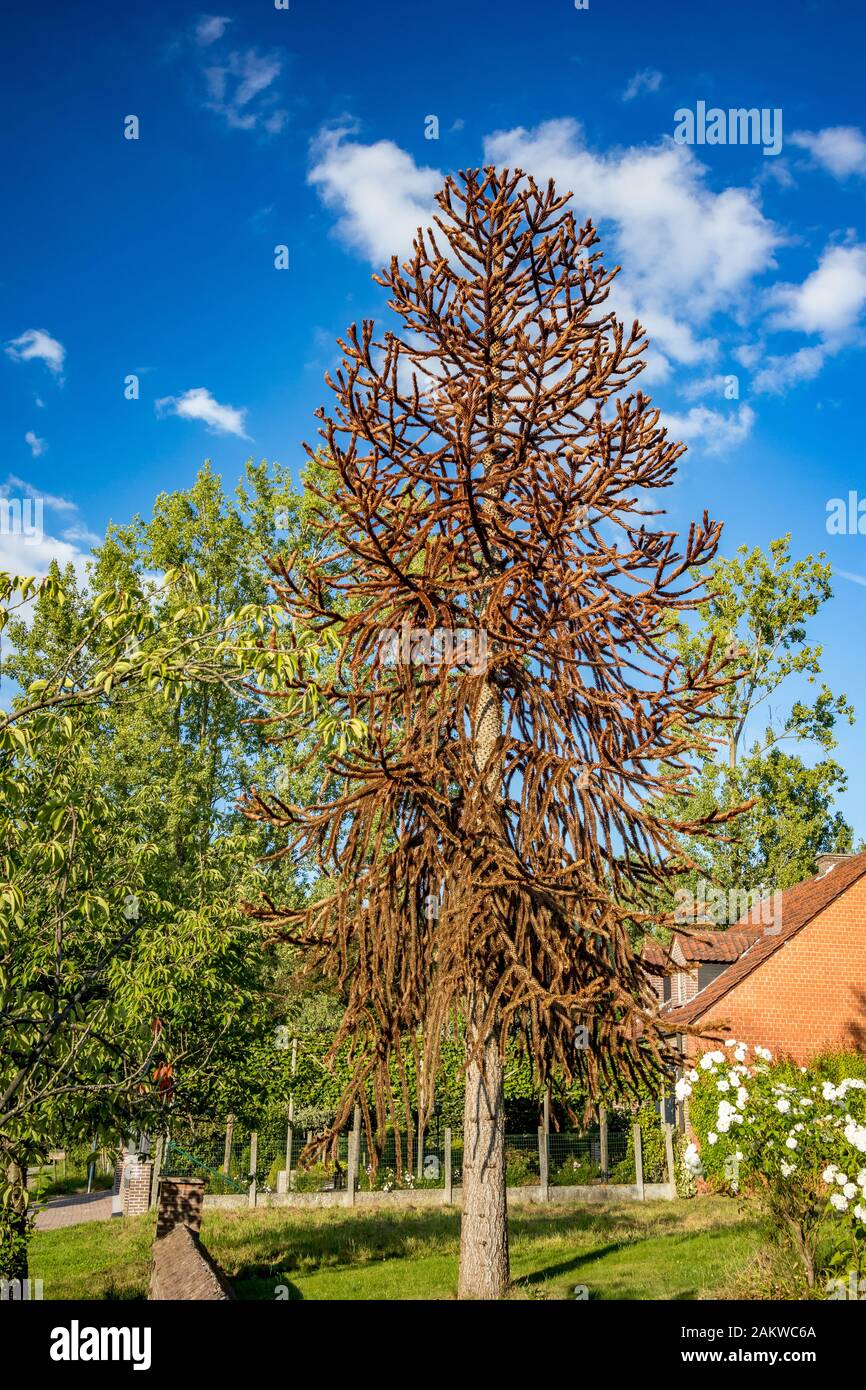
{"x":860,"y":1213}
{"x":790,"y":1142}
{"x":742,"y":1097}
{"x":706,"y":1061}
{"x":783,"y":1106}
{"x":788,"y":1169}
{"x":839,"y":1201}
{"x":693,"y":1076}
{"x":723,"y":1085}
{"x":764,"y":1053}
{"x":740,"y":1053}
{"x":691,"y":1159}
{"x":829,"y":1173}
{"x":861,"y":1177}
{"x":841,"y":1178}
{"x":856,"y":1135}
{"x":682,"y":1089}
{"x":850,"y":1190}
{"x":712,"y":1138}
{"x":828,"y":1090}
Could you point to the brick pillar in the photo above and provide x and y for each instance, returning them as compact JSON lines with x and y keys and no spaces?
{"x":136,"y":1189}
{"x":180,"y":1203}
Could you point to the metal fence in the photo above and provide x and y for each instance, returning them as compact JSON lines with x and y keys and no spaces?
{"x":230,"y":1160}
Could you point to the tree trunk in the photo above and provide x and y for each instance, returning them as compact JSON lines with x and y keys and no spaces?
{"x":13,"y":1224}
{"x":484,"y":1271}
{"x":484,"y":1225}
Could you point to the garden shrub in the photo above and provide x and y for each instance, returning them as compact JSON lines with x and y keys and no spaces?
{"x":793,"y":1139}
{"x":518,"y":1170}
{"x":575,"y":1172}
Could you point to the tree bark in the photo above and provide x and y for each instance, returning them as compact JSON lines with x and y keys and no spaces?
{"x":13,"y":1224}
{"x":484,"y":1271}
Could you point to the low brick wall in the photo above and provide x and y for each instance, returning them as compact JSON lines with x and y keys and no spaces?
{"x":137,"y":1180}
{"x":181,"y":1269}
{"x":435,"y":1197}
{"x":179,"y":1204}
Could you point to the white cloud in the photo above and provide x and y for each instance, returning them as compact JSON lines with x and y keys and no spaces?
{"x":841,"y":149}
{"x":379,"y":192}
{"x":37,"y":445}
{"x":687,"y":252}
{"x":48,"y":499}
{"x":830,"y":300}
{"x":716,"y":431}
{"x":81,"y":533}
{"x":26,"y":547}
{"x":209,"y":28}
{"x":199,"y":404}
{"x":780,"y":373}
{"x":239,"y":91}
{"x":647,"y":80}
{"x":35,"y":344}
{"x":33,"y":554}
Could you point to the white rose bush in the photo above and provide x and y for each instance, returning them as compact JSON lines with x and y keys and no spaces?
{"x":790,"y":1139}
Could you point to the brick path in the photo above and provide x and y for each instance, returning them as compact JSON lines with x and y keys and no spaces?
{"x":71,"y":1210}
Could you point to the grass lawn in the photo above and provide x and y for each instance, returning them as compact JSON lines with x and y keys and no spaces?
{"x":655,"y":1250}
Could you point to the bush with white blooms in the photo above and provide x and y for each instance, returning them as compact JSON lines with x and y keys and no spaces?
{"x":788,"y":1137}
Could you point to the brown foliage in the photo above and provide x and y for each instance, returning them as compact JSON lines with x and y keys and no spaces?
{"x":495,"y":832}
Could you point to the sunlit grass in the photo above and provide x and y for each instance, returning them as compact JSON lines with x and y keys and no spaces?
{"x":656,"y":1250}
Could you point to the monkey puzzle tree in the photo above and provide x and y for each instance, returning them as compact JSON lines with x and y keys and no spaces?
{"x":501,"y":603}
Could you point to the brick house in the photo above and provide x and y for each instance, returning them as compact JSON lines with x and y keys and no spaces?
{"x":794,"y":982}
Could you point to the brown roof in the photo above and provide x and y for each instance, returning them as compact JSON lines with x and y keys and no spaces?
{"x":653,"y":951}
{"x":721,"y":944}
{"x":797,"y":906}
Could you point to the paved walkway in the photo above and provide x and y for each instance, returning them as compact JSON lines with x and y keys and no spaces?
{"x":71,"y":1210}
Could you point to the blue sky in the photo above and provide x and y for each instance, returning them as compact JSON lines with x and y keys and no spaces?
{"x":306,"y":127}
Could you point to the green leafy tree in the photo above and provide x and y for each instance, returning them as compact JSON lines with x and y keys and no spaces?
{"x":771,"y":736}
{"x":127,"y":972}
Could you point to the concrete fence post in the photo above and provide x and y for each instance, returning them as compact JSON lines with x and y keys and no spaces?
{"x":543,"y":1167}
{"x":669,"y":1156}
{"x":254,"y":1163}
{"x":638,"y":1162}
{"x":602,"y":1141}
{"x":449,"y":1190}
{"x":227,"y":1151}
{"x":290,"y":1134}
{"x":158,"y":1156}
{"x":354,"y":1153}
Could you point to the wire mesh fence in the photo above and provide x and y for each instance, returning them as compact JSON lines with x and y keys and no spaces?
{"x":229,"y":1159}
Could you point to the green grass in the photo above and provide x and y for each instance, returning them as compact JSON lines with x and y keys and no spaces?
{"x":656,"y":1250}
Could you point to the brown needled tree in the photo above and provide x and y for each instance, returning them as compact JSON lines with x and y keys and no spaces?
{"x":501,"y":605}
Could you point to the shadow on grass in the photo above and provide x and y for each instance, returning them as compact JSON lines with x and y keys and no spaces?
{"x":280,"y":1242}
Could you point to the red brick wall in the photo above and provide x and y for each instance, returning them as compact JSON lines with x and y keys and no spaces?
{"x":810,"y":995}
{"x":684,"y":985}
